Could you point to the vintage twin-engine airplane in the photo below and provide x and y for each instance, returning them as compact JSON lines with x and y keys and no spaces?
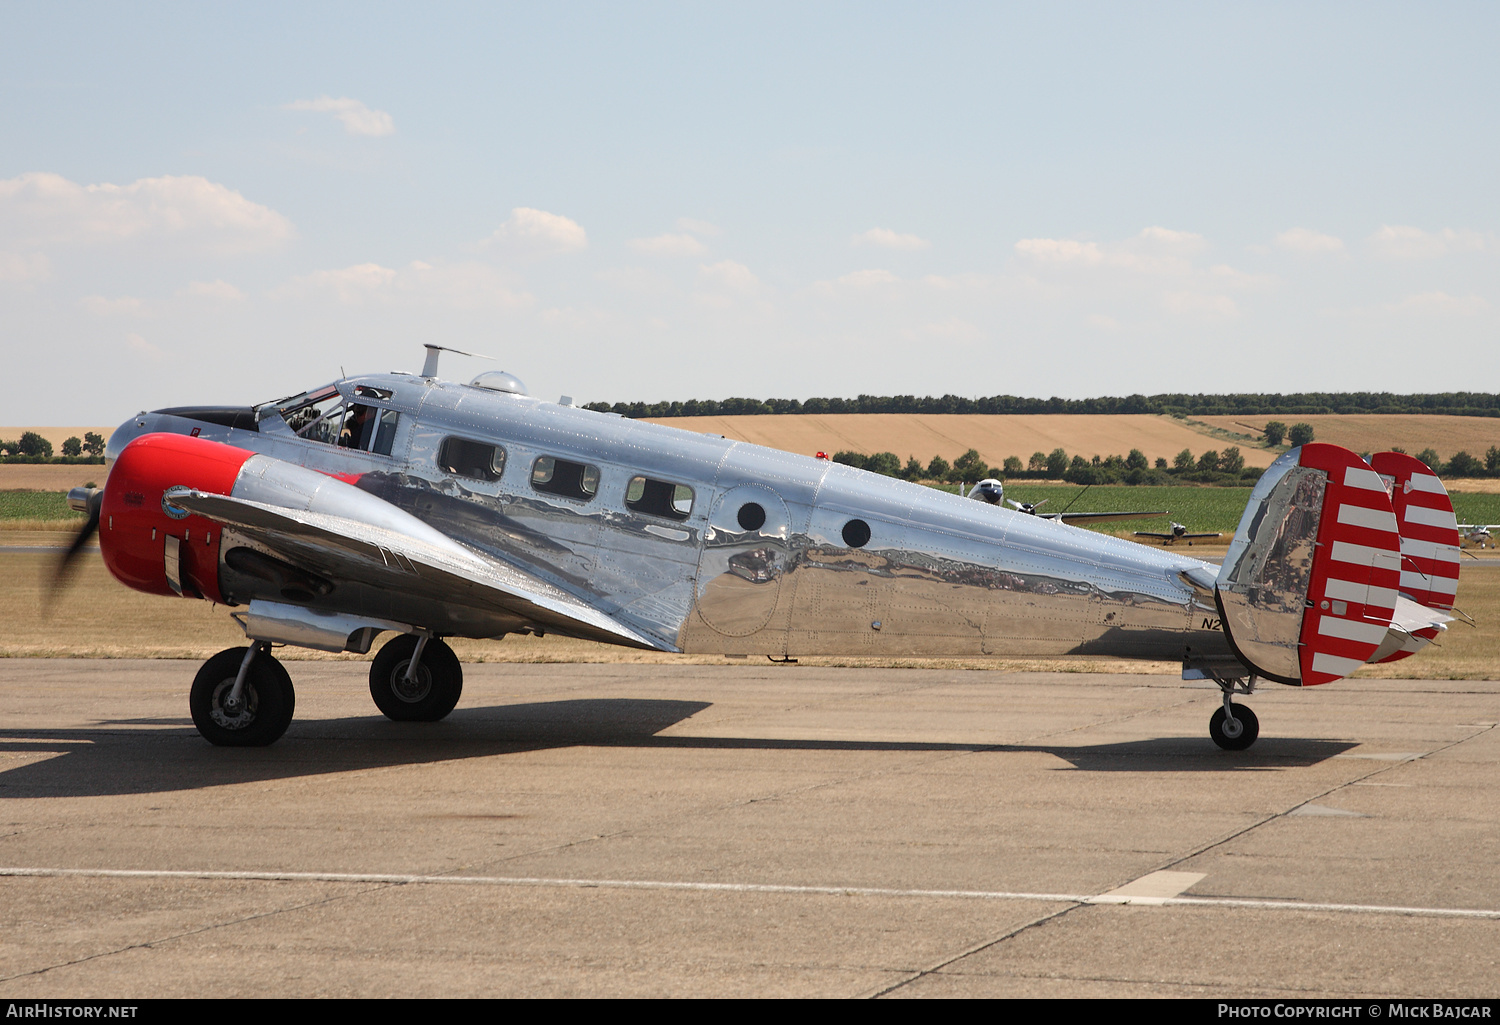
{"x":409,"y":504}
{"x":993,"y":491}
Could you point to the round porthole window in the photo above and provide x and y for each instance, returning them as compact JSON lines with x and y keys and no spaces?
{"x":856,"y":533}
{"x":752,"y":516}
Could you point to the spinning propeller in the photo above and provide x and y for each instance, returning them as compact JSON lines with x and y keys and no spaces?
{"x":87,"y":501}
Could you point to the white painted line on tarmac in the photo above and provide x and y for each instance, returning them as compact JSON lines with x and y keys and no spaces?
{"x":1152,"y":888}
{"x":816,"y":891}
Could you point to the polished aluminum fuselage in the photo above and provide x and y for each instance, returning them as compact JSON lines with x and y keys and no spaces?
{"x":939,"y":576}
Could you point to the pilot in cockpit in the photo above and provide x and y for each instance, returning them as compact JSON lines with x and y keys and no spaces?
{"x":355,"y":426}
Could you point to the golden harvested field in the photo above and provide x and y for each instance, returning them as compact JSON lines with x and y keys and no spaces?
{"x":1372,"y":433}
{"x":56,"y":435}
{"x":99,"y":618}
{"x":949,"y":435}
{"x":48,"y":476}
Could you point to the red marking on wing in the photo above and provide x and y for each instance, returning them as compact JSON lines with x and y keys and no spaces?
{"x":1352,"y":594}
{"x":1429,"y":530}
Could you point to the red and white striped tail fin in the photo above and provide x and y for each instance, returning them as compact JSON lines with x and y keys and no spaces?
{"x":1429,"y":530}
{"x":1352,"y":595}
{"x":1308,"y":589}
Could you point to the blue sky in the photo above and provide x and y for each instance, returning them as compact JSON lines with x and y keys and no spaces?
{"x":228,"y":203}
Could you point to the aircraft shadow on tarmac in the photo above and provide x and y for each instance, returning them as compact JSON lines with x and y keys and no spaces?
{"x":119,"y":757}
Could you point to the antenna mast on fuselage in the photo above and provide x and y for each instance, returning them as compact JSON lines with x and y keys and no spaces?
{"x":430,"y":365}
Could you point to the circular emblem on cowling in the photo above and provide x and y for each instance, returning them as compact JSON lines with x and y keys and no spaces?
{"x":174,"y":511}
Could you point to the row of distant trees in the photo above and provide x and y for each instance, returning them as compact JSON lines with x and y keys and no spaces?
{"x":1297,"y":404}
{"x":1212,"y":467}
{"x":31,"y":447}
{"x":1462,"y":464}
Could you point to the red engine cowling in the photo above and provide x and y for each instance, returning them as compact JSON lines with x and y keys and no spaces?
{"x":138,"y":533}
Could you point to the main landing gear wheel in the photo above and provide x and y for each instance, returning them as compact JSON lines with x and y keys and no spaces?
{"x":434,"y":688}
{"x":1234,"y":734}
{"x":263,"y":711}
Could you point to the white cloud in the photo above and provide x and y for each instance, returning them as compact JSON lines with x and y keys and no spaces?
{"x":1441,"y":304}
{"x":669,"y":245}
{"x":124,"y":306}
{"x":138,"y":345}
{"x":48,"y":209}
{"x":951,"y":329}
{"x":869,"y":279}
{"x":1155,"y":250}
{"x":729,"y":276}
{"x":1305,"y":240}
{"x":885,"y":238}
{"x":1403,"y":242}
{"x":539,"y":231}
{"x":1103,"y":323}
{"x":1199,"y":304}
{"x":357,"y":118}
{"x":454,"y":286}
{"x":1061,"y":251}
{"x":26,"y":269}
{"x":1180,"y":241}
{"x":219,"y":290}
{"x":1222,"y":275}
{"x":698,"y":227}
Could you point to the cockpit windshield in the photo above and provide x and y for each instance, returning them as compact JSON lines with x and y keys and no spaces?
{"x":326,"y":416}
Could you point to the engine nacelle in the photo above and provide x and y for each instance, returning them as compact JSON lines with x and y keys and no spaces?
{"x":147,"y":543}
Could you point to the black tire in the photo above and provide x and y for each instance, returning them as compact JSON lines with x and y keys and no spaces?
{"x":438,"y":686}
{"x":269,"y":700}
{"x":1249,"y":728}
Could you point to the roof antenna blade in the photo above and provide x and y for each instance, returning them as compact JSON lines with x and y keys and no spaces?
{"x":430,"y":366}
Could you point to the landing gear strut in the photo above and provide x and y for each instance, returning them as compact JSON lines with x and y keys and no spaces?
{"x":1234,"y":727}
{"x":242,"y":697}
{"x":416,"y":679}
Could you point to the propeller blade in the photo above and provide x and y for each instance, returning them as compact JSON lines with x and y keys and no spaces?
{"x":85,"y":500}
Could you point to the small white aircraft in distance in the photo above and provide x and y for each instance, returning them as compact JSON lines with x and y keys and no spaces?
{"x":993,"y":491}
{"x":411,"y":505}
{"x":1178,"y":533}
{"x":1478,"y":534}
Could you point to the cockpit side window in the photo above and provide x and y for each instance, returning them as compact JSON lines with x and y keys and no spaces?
{"x":562,"y":477}
{"x":471,"y":459}
{"x":328,"y":418}
{"x":659,"y":498}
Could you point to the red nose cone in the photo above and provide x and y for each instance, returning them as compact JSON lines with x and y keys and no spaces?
{"x":134,"y":528}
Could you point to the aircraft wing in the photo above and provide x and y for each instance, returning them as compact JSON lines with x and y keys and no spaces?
{"x":1101,"y":517}
{"x":432,"y":567}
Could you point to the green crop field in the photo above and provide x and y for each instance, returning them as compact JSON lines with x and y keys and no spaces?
{"x":1200,"y":508}
{"x":36,"y":506}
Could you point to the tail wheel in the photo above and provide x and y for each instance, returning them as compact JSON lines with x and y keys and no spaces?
{"x":434,"y":688}
{"x":264,"y":710}
{"x":1234,"y":734}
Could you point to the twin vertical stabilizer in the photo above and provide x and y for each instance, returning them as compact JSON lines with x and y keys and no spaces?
{"x":1312,"y":583}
